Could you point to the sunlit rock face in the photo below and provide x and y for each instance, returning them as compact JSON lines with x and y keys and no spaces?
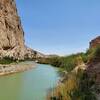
{"x":12,"y":35}
{"x":95,"y":42}
{"x":11,"y":32}
{"x":32,"y":54}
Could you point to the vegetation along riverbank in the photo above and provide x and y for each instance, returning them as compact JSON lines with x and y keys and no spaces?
{"x":81,"y":81}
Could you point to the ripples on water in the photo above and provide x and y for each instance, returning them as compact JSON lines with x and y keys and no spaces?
{"x":29,"y":85}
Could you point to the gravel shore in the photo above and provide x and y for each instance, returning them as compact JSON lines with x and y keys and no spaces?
{"x":16,"y":67}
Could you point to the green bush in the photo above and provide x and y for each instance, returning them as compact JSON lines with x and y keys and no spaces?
{"x":94,"y":53}
{"x":6,"y":60}
{"x":67,"y":62}
{"x":55,"y":61}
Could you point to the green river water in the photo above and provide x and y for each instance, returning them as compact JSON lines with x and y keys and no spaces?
{"x":29,"y":85}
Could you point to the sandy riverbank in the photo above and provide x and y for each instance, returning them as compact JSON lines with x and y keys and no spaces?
{"x":16,"y":67}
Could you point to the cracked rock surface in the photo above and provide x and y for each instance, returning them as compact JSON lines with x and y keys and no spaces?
{"x":12,"y":43}
{"x":11,"y":32}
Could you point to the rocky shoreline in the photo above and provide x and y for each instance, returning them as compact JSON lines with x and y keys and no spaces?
{"x":16,"y":67}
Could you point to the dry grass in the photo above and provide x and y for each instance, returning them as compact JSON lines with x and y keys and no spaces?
{"x":64,"y":90}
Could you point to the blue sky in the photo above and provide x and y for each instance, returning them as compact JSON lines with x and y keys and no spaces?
{"x":59,"y":26}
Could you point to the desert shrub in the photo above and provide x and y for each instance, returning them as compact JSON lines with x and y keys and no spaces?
{"x":67,"y":62}
{"x":94,"y":53}
{"x":6,"y":60}
{"x":84,"y":57}
{"x":76,"y":87}
{"x":55,"y":61}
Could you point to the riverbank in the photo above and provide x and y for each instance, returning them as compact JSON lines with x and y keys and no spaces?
{"x":82,"y":79}
{"x":15,"y":67}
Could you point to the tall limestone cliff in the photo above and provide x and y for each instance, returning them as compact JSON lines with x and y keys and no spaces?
{"x":11,"y":32}
{"x":12,"y":35}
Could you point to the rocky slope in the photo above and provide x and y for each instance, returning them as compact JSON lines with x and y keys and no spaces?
{"x":93,"y":69}
{"x":32,"y":54}
{"x":95,"y":42}
{"x":11,"y":33}
{"x":94,"y":61}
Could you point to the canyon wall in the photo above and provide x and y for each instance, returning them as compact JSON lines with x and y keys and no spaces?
{"x":11,"y":32}
{"x":12,"y":44}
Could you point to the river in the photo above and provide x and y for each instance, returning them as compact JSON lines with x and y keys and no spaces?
{"x":29,"y":85}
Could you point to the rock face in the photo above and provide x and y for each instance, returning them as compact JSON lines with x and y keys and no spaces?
{"x":11,"y":32}
{"x":93,"y":69}
{"x":12,"y":35}
{"x":32,"y":54}
{"x":95,"y":42}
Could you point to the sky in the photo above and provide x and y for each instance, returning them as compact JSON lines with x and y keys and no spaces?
{"x":59,"y":26}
